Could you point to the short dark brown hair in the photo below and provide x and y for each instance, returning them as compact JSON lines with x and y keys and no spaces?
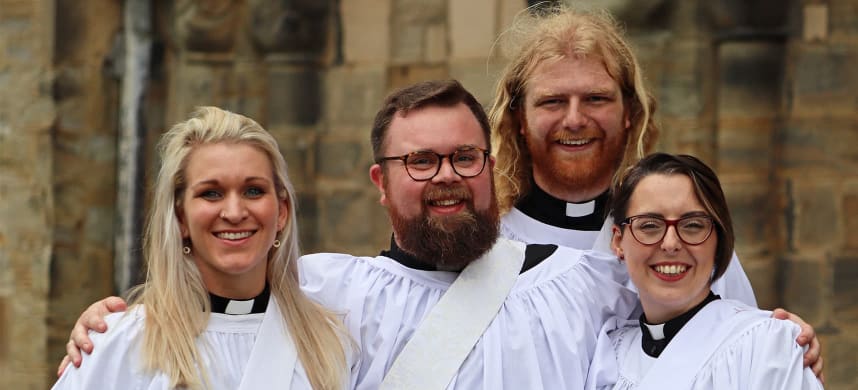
{"x":707,"y":187}
{"x":443,"y":93}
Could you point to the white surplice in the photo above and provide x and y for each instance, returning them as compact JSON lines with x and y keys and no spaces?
{"x":228,"y":344}
{"x":542,"y":338}
{"x":727,"y":345}
{"x":516,"y":225}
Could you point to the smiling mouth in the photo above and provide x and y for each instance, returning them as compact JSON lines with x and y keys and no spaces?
{"x":574,"y":142}
{"x":670,"y":270}
{"x":444,"y":202}
{"x":234,"y":235}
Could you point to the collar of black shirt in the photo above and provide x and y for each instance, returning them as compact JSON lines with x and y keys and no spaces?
{"x":547,"y":209}
{"x":654,"y":347}
{"x":533,"y":255}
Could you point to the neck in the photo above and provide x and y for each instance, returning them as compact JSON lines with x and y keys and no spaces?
{"x":658,"y":313}
{"x":572,"y":193}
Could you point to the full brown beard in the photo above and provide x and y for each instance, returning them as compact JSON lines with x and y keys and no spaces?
{"x":449,"y":242}
{"x":581,"y":173}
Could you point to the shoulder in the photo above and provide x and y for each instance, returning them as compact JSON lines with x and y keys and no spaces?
{"x":116,"y":360}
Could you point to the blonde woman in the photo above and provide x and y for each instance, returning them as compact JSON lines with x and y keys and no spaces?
{"x":221,"y":307}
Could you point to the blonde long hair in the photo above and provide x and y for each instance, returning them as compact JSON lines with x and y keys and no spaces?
{"x":552,"y":33}
{"x":175,"y":299}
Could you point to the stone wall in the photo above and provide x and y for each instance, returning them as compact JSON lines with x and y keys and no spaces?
{"x":26,"y":201}
{"x":763,"y":90}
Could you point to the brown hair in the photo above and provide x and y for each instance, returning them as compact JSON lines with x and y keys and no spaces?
{"x":707,"y":187}
{"x":444,"y":93}
{"x":551,"y":34}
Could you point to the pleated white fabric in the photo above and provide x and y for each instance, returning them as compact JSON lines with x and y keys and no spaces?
{"x":756,"y":352}
{"x":517,"y":225}
{"x":542,"y":338}
{"x":227,"y":345}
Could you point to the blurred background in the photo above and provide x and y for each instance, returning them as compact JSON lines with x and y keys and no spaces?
{"x":763,"y":90}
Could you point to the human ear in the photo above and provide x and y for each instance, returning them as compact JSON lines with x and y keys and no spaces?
{"x":282,"y":214}
{"x":616,"y":239}
{"x":376,"y":174}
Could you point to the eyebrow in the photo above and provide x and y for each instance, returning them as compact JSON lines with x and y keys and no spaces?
{"x":216,"y":182}
{"x":695,"y":213}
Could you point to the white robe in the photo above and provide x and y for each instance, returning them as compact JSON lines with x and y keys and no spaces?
{"x":542,"y":338}
{"x":755,"y":352}
{"x":226,"y":344}
{"x":516,"y":225}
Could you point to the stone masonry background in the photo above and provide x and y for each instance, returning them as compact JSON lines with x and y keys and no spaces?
{"x":763,"y":90}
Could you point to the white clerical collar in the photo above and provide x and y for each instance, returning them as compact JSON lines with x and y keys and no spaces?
{"x":256,"y":304}
{"x":580,"y":209}
{"x":656,"y":331}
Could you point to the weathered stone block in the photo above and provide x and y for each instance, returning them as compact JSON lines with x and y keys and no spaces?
{"x":751,"y":77}
{"x":5,"y":322}
{"x":752,"y":209}
{"x":436,"y":43}
{"x":804,"y":287}
{"x":763,"y":274}
{"x":745,"y":146}
{"x":366,"y":30}
{"x":477,"y":78}
{"x":341,"y":158}
{"x":814,"y":214}
{"x":299,"y":152}
{"x":401,"y":76}
{"x":845,"y":289}
{"x":842,"y":16}
{"x":352,"y":221}
{"x":353,"y":95}
{"x":472,"y":28}
{"x":850,"y":222}
{"x":308,"y":222}
{"x":824,"y":82}
{"x":817,"y":147}
{"x":294,"y":97}
{"x":840,"y":350}
{"x":410,"y":20}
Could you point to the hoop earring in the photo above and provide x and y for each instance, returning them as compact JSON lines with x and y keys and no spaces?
{"x":186,"y":250}
{"x":276,"y":243}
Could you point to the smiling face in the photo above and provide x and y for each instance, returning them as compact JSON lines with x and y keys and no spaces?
{"x":449,"y":218}
{"x":231,"y":214}
{"x":671,"y":276}
{"x":575,"y":126}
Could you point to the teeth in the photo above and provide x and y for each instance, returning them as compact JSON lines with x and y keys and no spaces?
{"x":445,"y":202}
{"x":234,"y":236}
{"x":574,"y":142}
{"x":671,"y":269}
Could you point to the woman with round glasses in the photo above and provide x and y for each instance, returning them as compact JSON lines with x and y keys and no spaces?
{"x":674,"y":233}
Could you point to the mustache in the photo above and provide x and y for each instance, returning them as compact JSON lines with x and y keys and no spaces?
{"x":435,"y":192}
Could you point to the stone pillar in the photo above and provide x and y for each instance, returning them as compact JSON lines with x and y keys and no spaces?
{"x":86,"y":93}
{"x":687,"y":89}
{"x":26,"y":199}
{"x":818,"y":179}
{"x":749,"y":39}
{"x":291,"y":37}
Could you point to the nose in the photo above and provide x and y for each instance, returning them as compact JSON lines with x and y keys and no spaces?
{"x":234,"y":209}
{"x":446,"y":173}
{"x":574,"y":118}
{"x":671,"y":241}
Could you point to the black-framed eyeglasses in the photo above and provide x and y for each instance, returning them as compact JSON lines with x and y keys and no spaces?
{"x":650,"y":229}
{"x":424,"y":164}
